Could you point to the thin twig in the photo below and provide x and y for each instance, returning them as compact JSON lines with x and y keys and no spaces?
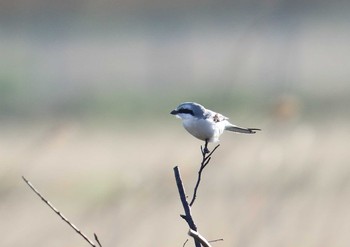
{"x":97,"y":240}
{"x":206,"y":157}
{"x":60,"y":214}
{"x":200,"y":238}
{"x":186,"y":206}
{"x":185,"y":243}
{"x":216,"y":240}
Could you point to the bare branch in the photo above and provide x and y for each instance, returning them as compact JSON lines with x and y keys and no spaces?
{"x":206,"y":157}
{"x":186,"y":206}
{"x":185,"y":243}
{"x":61,"y":215}
{"x":198,"y":237}
{"x":216,"y":240}
{"x":97,"y":240}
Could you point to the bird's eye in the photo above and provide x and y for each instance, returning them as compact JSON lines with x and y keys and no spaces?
{"x":186,"y":111}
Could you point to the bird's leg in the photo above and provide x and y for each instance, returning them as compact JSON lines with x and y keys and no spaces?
{"x":206,"y":150}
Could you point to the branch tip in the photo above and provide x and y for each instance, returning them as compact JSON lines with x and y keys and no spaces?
{"x":58,"y":212}
{"x":97,"y":240}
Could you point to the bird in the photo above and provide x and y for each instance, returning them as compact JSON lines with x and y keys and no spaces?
{"x":206,"y":124}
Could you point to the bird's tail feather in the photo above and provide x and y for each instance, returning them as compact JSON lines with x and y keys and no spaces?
{"x":235,"y":128}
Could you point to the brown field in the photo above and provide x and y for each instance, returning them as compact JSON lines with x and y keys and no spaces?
{"x":82,"y":83}
{"x":286,"y":186}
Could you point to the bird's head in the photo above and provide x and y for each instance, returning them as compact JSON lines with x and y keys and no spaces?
{"x":188,"y":110}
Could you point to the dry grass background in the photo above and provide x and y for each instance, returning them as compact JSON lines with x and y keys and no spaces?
{"x":75,"y":77}
{"x":286,"y":186}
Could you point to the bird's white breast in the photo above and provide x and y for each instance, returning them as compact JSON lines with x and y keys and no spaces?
{"x":204,"y":129}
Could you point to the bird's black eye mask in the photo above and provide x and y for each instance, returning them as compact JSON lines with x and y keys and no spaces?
{"x":186,"y":111}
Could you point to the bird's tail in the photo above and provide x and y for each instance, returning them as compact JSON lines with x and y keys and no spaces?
{"x":235,"y":128}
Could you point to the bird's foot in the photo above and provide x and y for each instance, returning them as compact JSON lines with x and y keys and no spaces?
{"x":205,"y":149}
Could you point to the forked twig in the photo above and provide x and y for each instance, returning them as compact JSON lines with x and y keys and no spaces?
{"x":187,"y":216}
{"x":206,"y":157}
{"x":200,"y":238}
{"x":61,"y":215}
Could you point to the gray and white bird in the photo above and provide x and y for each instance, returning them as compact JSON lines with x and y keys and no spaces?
{"x":205,"y":124}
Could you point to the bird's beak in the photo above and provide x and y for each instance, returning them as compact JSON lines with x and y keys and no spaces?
{"x":174,"y":112}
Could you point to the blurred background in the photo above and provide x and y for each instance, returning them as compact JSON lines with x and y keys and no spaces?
{"x":86,"y":88}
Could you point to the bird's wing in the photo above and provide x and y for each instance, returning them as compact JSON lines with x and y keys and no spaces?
{"x":214,"y":116}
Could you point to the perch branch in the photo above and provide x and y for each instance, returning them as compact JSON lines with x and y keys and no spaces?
{"x":206,"y":157}
{"x":186,"y":206}
{"x":61,"y":215}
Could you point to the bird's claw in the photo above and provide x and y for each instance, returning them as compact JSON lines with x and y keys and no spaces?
{"x":206,"y":150}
